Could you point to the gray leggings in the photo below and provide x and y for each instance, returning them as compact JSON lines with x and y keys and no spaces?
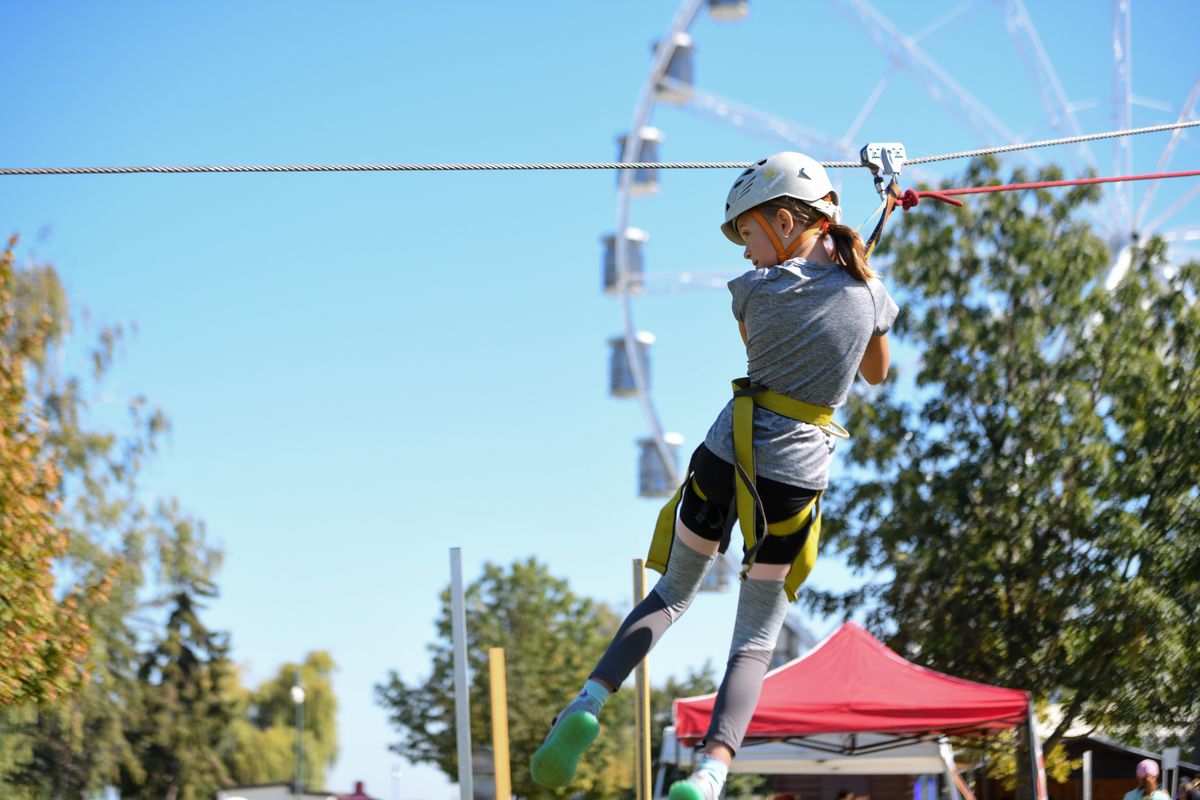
{"x":762,"y":606}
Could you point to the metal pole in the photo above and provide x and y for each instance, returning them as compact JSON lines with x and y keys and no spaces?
{"x":641,"y":697}
{"x":298,"y":701}
{"x":1087,"y":775}
{"x":499,"y":723}
{"x":462,"y":698}
{"x":1037,"y":766}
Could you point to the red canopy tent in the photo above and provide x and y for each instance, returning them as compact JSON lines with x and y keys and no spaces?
{"x":850,"y":684}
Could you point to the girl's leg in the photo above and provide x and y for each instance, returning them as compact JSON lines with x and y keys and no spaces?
{"x":576,"y":727}
{"x":762,"y":607}
{"x":698,"y":533}
{"x":665,"y":603}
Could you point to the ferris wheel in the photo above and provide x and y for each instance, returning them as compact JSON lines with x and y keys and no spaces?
{"x":1121,"y":217}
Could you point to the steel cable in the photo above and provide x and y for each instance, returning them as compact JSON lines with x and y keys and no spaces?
{"x":516,"y":166}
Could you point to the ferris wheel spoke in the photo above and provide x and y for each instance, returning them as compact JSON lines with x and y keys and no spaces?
{"x":943,"y":20}
{"x":1122,"y":41}
{"x":690,"y":280}
{"x":761,"y":123}
{"x":1183,"y":200}
{"x":1054,"y":98}
{"x":867,"y":108}
{"x":944,"y":90}
{"x":1185,"y":113}
{"x":1190,"y":235}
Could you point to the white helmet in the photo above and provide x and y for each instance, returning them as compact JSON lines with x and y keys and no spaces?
{"x":781,"y":175}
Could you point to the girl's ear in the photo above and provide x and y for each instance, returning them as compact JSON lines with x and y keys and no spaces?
{"x":787,"y":222}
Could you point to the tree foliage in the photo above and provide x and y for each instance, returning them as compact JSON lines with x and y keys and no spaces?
{"x":75,"y":744}
{"x":117,"y":681}
{"x":263,"y":747}
{"x":181,"y":724}
{"x":551,"y":639}
{"x":42,"y":639}
{"x":1029,"y":512}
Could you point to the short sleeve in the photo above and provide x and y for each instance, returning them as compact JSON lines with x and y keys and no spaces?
{"x":740,"y":287}
{"x":886,"y":309}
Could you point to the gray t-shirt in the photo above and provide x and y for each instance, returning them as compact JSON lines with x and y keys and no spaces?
{"x":808,"y":327}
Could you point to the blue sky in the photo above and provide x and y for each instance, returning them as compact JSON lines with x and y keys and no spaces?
{"x":363,"y":370}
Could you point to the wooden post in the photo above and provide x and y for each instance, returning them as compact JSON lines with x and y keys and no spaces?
{"x":641,"y":698}
{"x":499,"y":723}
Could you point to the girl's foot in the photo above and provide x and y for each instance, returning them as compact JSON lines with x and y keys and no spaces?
{"x":553,"y":764}
{"x":705,"y":783}
{"x":692,"y":790}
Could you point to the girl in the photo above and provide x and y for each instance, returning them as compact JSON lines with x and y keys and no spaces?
{"x":811,"y":314}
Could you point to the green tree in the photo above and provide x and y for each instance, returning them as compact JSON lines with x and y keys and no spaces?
{"x":1030,"y":517}
{"x":185,"y":713}
{"x":551,"y":638}
{"x":263,"y":746}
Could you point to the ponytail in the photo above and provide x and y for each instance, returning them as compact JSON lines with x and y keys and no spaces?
{"x":849,"y":252}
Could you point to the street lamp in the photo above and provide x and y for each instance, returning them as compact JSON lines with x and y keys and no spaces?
{"x":298,"y":701}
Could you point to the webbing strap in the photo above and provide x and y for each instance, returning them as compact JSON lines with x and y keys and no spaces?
{"x":784,"y":253}
{"x":748,"y":505}
{"x":664,"y":526}
{"x":892,"y":196}
{"x":746,"y":395}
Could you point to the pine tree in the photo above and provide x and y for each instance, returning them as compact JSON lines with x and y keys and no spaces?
{"x":186,"y":714}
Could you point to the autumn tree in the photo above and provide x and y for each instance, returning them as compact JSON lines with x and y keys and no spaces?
{"x":42,"y":639}
{"x":1028,"y":511}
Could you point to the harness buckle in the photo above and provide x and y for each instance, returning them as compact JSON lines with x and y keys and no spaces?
{"x":885,"y":160}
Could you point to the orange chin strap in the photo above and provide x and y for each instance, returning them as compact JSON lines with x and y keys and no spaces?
{"x":819,"y":228}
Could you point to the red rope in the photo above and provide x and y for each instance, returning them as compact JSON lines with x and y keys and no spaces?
{"x":911,"y":198}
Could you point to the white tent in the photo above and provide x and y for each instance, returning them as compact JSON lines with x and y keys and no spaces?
{"x":812,"y":758}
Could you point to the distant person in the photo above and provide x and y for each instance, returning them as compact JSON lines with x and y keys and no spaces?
{"x":1185,"y":785}
{"x":1193,"y":790}
{"x":812,"y":315}
{"x":1147,"y":778}
{"x":845,"y":794}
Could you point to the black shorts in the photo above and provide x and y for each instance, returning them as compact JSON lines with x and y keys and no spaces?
{"x":710,"y":512}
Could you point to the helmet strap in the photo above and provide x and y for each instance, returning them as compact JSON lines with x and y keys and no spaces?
{"x":818,"y":228}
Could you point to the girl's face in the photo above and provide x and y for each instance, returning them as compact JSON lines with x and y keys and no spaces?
{"x":759,"y":249}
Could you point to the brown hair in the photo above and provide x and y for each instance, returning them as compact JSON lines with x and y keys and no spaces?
{"x":849,"y":251}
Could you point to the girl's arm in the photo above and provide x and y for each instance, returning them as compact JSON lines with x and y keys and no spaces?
{"x":745,"y":336}
{"x":874,"y":366}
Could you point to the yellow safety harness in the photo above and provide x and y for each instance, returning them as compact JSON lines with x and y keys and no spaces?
{"x":750,"y":513}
